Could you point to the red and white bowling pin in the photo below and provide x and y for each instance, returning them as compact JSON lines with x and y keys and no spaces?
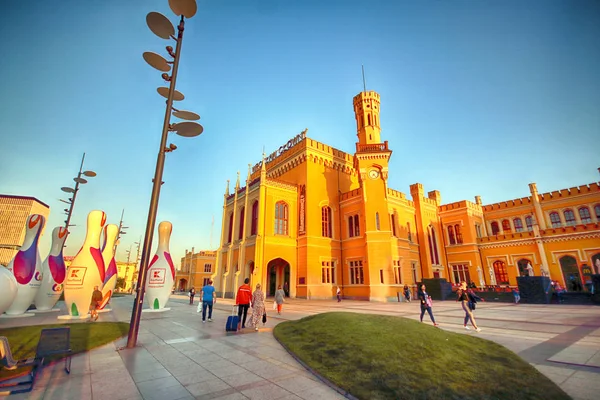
{"x":111,"y":232}
{"x":53,"y":272}
{"x":161,"y":271}
{"x":86,"y":270}
{"x":26,"y":266}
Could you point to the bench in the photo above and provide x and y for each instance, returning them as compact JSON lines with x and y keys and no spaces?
{"x":53,"y":342}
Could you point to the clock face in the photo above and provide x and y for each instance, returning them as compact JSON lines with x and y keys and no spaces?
{"x":373,"y":174}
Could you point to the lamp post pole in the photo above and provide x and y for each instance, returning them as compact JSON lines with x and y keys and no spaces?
{"x":74,"y":194}
{"x":160,"y":164}
{"x":161,"y":26}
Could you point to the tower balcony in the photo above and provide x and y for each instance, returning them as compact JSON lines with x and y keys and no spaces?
{"x":372,"y":147}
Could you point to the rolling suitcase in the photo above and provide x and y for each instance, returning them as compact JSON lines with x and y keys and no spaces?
{"x":232,"y":321}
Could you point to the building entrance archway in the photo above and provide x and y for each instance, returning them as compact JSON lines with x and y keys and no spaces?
{"x":571,"y":275}
{"x":278,"y":273}
{"x":522,"y":265}
{"x":182,"y":285}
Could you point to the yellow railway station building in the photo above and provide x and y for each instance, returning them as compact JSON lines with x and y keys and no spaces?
{"x":312,"y":218}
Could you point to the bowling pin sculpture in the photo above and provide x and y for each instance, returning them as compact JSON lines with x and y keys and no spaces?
{"x":86,"y":270}
{"x":110,"y":277}
{"x":161,"y":271}
{"x":27,"y":266}
{"x":8,"y":288}
{"x":53,"y":273}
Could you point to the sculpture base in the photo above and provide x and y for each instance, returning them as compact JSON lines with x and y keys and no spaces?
{"x":158,"y":310}
{"x":36,"y":311}
{"x":16,"y":315}
{"x":438,"y":288}
{"x":82,"y":317}
{"x":105,"y":310}
{"x":534,"y":289}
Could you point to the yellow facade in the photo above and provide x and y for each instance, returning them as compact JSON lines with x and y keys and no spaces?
{"x":311,"y":218}
{"x":196,"y":269}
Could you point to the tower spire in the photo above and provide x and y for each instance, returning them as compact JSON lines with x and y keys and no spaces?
{"x":227,"y":189}
{"x":364,"y":81}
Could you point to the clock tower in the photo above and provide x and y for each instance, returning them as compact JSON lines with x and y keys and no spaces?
{"x":371,"y":159}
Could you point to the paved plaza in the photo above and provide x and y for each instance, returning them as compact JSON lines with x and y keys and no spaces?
{"x":179,"y":357}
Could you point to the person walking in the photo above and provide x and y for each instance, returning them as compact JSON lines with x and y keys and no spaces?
{"x":95,"y":303}
{"x":208,"y":297}
{"x":516,"y":294}
{"x":192,"y":294}
{"x":425,"y":304}
{"x":338,"y":293}
{"x":242,"y":300}
{"x":463,"y":297}
{"x":279,"y":298}
{"x":473,"y":299}
{"x":258,"y":307}
{"x":407,"y":293}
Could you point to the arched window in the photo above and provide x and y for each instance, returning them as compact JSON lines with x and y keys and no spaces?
{"x":326,"y":222}
{"x":281,"y":218}
{"x":500,"y":273}
{"x":377,"y":226}
{"x":375,"y":119}
{"x":506,"y":225}
{"x":459,"y":239}
{"x":518,"y":224}
{"x":451,"y":234}
{"x":570,"y":218}
{"x":555,"y":219}
{"x":495,"y":228}
{"x":369,"y":119}
{"x":529,"y":222}
{"x":361,"y":121}
{"x":597,"y":211}
{"x":230,"y":235}
{"x":254,"y":224}
{"x":435,"y":258}
{"x":356,"y":226}
{"x":393,"y":221}
{"x":241,"y":232}
{"x":584,"y":215}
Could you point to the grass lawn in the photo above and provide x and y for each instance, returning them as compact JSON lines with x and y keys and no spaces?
{"x":84,"y":336}
{"x":382,"y":357}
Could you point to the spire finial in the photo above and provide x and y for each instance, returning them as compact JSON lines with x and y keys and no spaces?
{"x":364,"y":82}
{"x":249,"y":171}
{"x":237,"y":182}
{"x":227,"y":188}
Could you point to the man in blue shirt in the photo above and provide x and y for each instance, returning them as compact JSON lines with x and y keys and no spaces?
{"x":208,"y":298}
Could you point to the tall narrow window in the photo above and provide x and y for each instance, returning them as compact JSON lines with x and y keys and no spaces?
{"x":478,"y":230}
{"x":377,"y":221}
{"x":495,"y":228}
{"x":351,"y":226}
{"x":555,"y":219}
{"x":461,"y":273}
{"x":408,"y":230}
{"x":393,"y":221}
{"x":254,"y":224}
{"x":435,"y":247}
{"x":241,"y":232}
{"x":230,"y":234}
{"x":570,"y":218}
{"x":518,"y":224}
{"x":356,"y":273}
{"x":597,"y":211}
{"x":369,"y":119}
{"x":451,"y":234}
{"x":356,"y":226}
{"x":281,"y":218}
{"x":506,"y":225}
{"x":459,"y":239}
{"x":584,"y":215}
{"x":326,"y":222}
{"x":529,"y":222}
{"x":381,"y":276}
{"x":500,"y":273}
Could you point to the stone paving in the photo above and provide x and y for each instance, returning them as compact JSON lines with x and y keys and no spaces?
{"x":179,"y":357}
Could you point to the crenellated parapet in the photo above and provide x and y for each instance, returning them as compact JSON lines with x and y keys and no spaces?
{"x":571,"y":192}
{"x":396,"y":194}
{"x":523,"y":201}
{"x":458,"y":205}
{"x":351,"y":194}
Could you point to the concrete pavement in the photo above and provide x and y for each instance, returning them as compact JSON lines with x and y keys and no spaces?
{"x":179,"y":357}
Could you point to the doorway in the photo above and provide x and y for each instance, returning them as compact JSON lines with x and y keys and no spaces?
{"x":571,"y":274}
{"x":278,"y":274}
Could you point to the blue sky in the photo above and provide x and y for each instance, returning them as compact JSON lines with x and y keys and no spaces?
{"x":478,"y":98}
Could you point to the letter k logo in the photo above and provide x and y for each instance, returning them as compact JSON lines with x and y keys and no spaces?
{"x":74,"y":273}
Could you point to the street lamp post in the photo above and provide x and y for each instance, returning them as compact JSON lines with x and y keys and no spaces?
{"x":71,"y":201}
{"x":162,"y":27}
{"x":121,"y":232}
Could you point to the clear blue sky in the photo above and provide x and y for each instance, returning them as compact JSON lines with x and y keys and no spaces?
{"x":478,"y":98}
